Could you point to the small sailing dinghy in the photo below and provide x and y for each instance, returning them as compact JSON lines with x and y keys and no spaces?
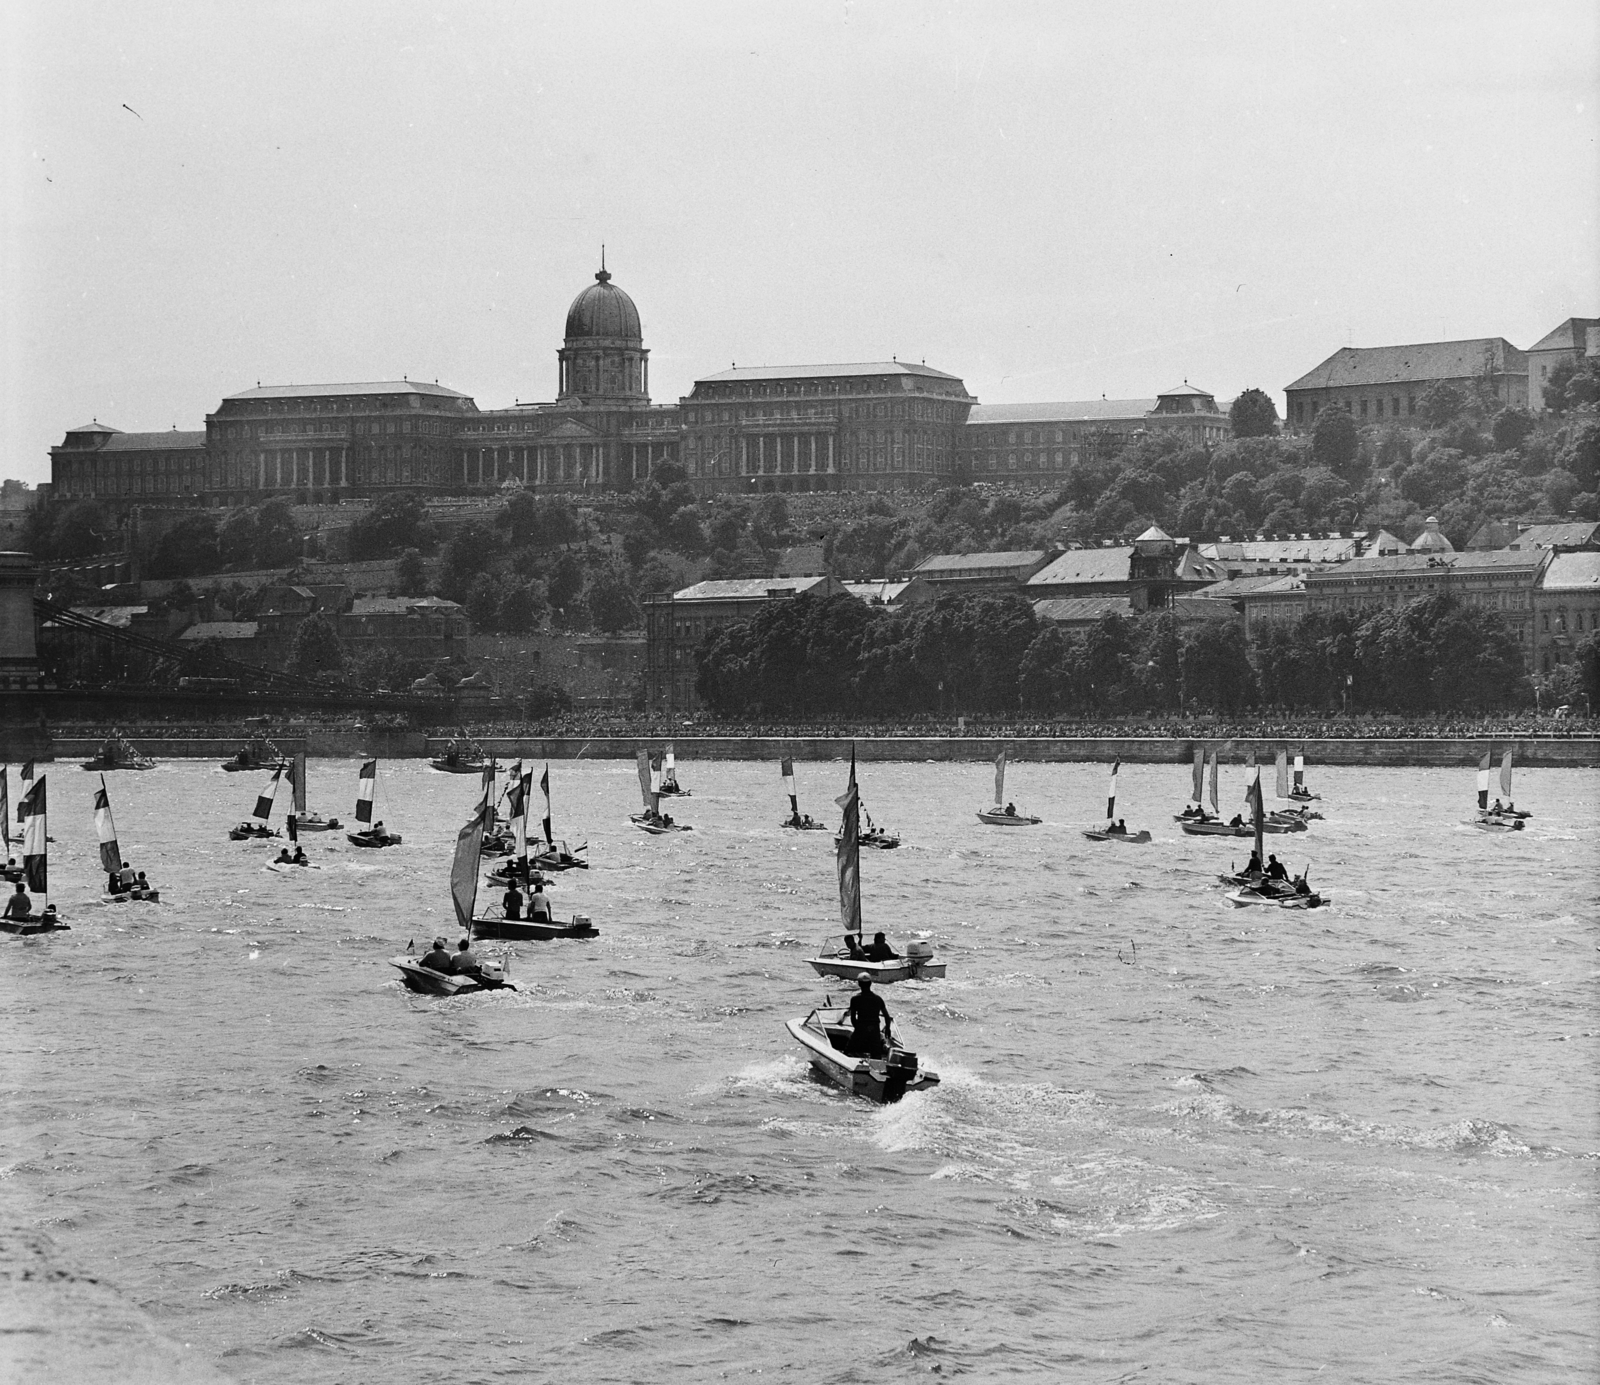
{"x":255,"y":754}
{"x":1202,"y":823}
{"x":122,"y":885}
{"x":427,"y":979}
{"x":19,"y":915}
{"x":530,"y":919}
{"x":845,"y":956}
{"x":373,"y":834}
{"x":1115,"y":829}
{"x":670,"y":787}
{"x":652,"y":819}
{"x":1260,"y":889}
{"x":827,"y":1038}
{"x":1508,"y":809}
{"x":255,"y":827}
{"x":1496,"y":818}
{"x":497,"y":836}
{"x":1285,"y":790}
{"x":459,"y":759}
{"x":553,"y":855}
{"x":305,"y":819}
{"x":116,"y":752}
{"x":1298,"y":792}
{"x":1008,"y":816}
{"x":797,"y":821}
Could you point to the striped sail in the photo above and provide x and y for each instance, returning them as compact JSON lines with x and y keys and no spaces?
{"x":366,"y":787}
{"x":1483,"y":781}
{"x":1111,"y":792}
{"x":24,"y":778}
{"x":106,"y":830}
{"x":789,"y":787}
{"x":268,"y":795}
{"x":1299,"y":771}
{"x":35,"y":836}
{"x":848,"y":854}
{"x":544,"y":788}
{"x":517,"y":811}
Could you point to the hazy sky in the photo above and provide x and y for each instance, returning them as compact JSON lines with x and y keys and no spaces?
{"x":1053,"y":201}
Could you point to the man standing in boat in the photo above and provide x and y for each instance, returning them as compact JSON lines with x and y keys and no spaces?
{"x":865,"y":1009}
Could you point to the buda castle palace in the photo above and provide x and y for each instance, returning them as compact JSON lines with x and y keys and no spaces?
{"x":877,"y":425}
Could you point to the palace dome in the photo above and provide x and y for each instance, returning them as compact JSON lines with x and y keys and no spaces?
{"x":603,"y":310}
{"x":1430,"y":540}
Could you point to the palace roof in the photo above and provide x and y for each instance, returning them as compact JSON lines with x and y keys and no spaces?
{"x":1425,"y":361}
{"x":334,"y":391}
{"x":750,"y":588}
{"x":1573,"y":572}
{"x":814,"y":372}
{"x":1086,"y":565}
{"x":1080,"y":411}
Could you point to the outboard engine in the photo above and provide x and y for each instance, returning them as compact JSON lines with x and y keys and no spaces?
{"x":901,"y":1069}
{"x":492,"y":971}
{"x":919,"y":951}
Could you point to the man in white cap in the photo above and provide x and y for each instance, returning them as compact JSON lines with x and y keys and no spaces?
{"x":439,"y":958}
{"x":865,"y":1009}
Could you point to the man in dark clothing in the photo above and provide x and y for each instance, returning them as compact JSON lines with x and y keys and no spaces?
{"x":438,"y":958}
{"x":880,"y":951}
{"x":513,"y":901}
{"x":865,"y":1009}
{"x":1275,"y":870}
{"x":1253,"y":866}
{"x":19,"y":906}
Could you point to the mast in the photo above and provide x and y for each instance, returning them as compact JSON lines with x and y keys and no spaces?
{"x":366,"y":788}
{"x":848,"y":854}
{"x":788,"y":787}
{"x":1000,"y":778}
{"x":464,"y":868}
{"x":106,"y":830}
{"x":1111,"y":793}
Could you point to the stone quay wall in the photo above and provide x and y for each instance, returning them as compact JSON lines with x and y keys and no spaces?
{"x":1552,"y":752}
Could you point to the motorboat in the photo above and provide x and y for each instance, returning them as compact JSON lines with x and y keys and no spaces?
{"x":254,"y":755}
{"x":46,"y":920}
{"x":375,"y":837}
{"x":797,"y":821}
{"x":457,"y":759}
{"x":842,"y":956}
{"x":1214,"y":827}
{"x":1006,"y":816}
{"x":425,"y":981}
{"x":1496,"y":822}
{"x":556,"y":856}
{"x":547,"y":929}
{"x":670,"y":787}
{"x":1284,"y":897}
{"x":252,"y":831}
{"x":1498,"y":816}
{"x":305,"y":820}
{"x":134,"y":896}
{"x":878,"y":838}
{"x":803,"y":824}
{"x":826,"y":1037}
{"x":116,"y":753}
{"x":659,"y":825}
{"x":650,"y":818}
{"x":1111,"y":834}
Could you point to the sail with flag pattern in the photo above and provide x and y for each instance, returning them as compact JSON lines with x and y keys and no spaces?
{"x":1000,"y":776}
{"x":517,"y":811}
{"x":1212,"y":782}
{"x":106,"y":830}
{"x":1199,"y":774}
{"x":1505,"y":775}
{"x":1111,"y":792}
{"x":266,"y":798}
{"x":464,"y":868}
{"x":24,"y":778}
{"x":789,"y":788}
{"x":35,"y":838}
{"x":544,"y":787}
{"x":1299,"y":772}
{"x":655,"y":783}
{"x":1257,"y":812}
{"x":1282,"y":789}
{"x":1483,"y":782}
{"x":366,"y":787}
{"x":848,"y":854}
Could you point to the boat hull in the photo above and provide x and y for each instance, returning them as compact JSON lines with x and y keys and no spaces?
{"x":868,"y":1078}
{"x":28,"y":927}
{"x":315,"y":822}
{"x":425,"y":981}
{"x":133,"y":897}
{"x":885,"y":973}
{"x":240,"y":834}
{"x":105,"y":768}
{"x":1498,"y":824}
{"x":533,"y":931}
{"x":371,"y":843}
{"x":1099,"y":834}
{"x":1214,"y":829}
{"x":878,"y":841}
{"x":1245,"y":896}
{"x":1008,"y":819}
{"x":804,"y":826}
{"x":459,"y":767}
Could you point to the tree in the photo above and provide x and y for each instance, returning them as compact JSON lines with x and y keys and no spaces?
{"x":1510,"y":427}
{"x":1581,"y":456}
{"x":315,"y":651}
{"x":1216,"y":667}
{"x":397,"y":521}
{"x":187,"y":549}
{"x":544,"y":521}
{"x":610,"y":601}
{"x":277,"y":540}
{"x":410,"y":574}
{"x":1441,"y":403}
{"x":521,"y":608}
{"x":1253,"y":415}
{"x":1336,"y":444}
{"x":465,"y":556}
{"x":1572,"y":384}
{"x":482,"y":602}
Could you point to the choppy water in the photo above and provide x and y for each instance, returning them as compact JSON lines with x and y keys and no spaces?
{"x":1171,"y":1136}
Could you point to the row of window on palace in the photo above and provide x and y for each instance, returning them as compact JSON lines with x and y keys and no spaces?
{"x":361,"y":427}
{"x":1305,"y":411}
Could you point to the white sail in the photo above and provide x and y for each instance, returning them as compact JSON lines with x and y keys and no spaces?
{"x":1000,"y":777}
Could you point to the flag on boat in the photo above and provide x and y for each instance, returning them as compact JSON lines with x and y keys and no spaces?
{"x":106,"y":830}
{"x":517,"y":811}
{"x":35,"y":835}
{"x":464,"y":869}
{"x":1483,"y":781}
{"x":366,"y":786}
{"x":1199,"y":773}
{"x":265,"y":799}
{"x":1111,"y":792}
{"x":848,"y":854}
{"x":1505,"y":774}
{"x":1257,"y":812}
{"x":1282,"y":789}
{"x":1000,"y":777}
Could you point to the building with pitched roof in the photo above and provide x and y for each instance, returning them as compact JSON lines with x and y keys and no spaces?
{"x":1574,"y":340}
{"x":1375,"y":384}
{"x":1566,"y":535}
{"x":907,"y":591}
{"x":974,"y":572}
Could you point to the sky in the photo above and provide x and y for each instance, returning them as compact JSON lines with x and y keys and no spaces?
{"x":1054,"y":201}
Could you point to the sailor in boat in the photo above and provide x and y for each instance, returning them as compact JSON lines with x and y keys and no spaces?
{"x":114,"y":882}
{"x":865,"y":1009}
{"x":1275,"y":870}
{"x":436,"y":958}
{"x":1011,"y":810}
{"x":465,"y":962}
{"x":511,"y":901}
{"x":538,"y":904}
{"x":300,"y":856}
{"x":141,"y":884}
{"x":1253,"y":865}
{"x":1237,"y":821}
{"x":283,"y":857}
{"x":879,"y":950}
{"x":1301,"y":887}
{"x":1118,"y":829}
{"x":19,"y":906}
{"x":377,"y":832}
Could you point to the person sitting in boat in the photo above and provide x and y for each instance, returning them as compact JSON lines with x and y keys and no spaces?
{"x":1497,"y":808}
{"x":865,"y":1008}
{"x":852,"y":943}
{"x":465,"y":962}
{"x":511,"y":901}
{"x":538,"y":905}
{"x":1275,"y":870}
{"x":141,"y":884}
{"x":283,"y":857}
{"x":126,"y":876}
{"x":880,"y":951}
{"x":436,"y":958}
{"x":1011,"y":810}
{"x":1301,"y":887}
{"x":19,"y":906}
{"x":666,"y":819}
{"x":300,"y":856}
{"x":1253,"y":865}
{"x":1237,"y":821}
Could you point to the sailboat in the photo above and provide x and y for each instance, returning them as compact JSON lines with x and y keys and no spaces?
{"x":255,"y":826}
{"x":1006,"y":816}
{"x":1298,"y":790}
{"x":1114,"y":831}
{"x":795,"y":820}
{"x":844,"y":956}
{"x":1283,"y":789}
{"x":1197,"y":813}
{"x":111,"y":856}
{"x":35,"y":867}
{"x":497,"y":836}
{"x":372,"y":834}
{"x":652,"y":819}
{"x":555,"y":854}
{"x":491,"y":975}
{"x":11,"y":871}
{"x":305,"y":820}
{"x":1495,"y":819}
{"x":670,"y":787}
{"x":1509,"y":809}
{"x":1211,"y":824}
{"x":540,"y":924}
{"x":1260,"y":889}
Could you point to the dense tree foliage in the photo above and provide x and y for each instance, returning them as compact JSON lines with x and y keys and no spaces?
{"x":187,"y":549}
{"x":316,"y":651}
{"x":396,"y":522}
{"x":1253,"y":415}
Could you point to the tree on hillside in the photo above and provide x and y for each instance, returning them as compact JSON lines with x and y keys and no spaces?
{"x":411,"y":574}
{"x":1581,"y":455}
{"x":316,"y":651}
{"x":1216,"y":667}
{"x":610,"y":601}
{"x":1253,"y":415}
{"x":1336,"y":444}
{"x":187,"y":549}
{"x":543,"y":521}
{"x":1510,"y":427}
{"x":1441,"y":403}
{"x":395,"y":522}
{"x":467,"y":554}
{"x":1572,"y":384}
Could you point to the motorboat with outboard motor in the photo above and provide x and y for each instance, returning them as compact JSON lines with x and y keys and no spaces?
{"x":459,"y":759}
{"x":1494,"y":822}
{"x":878,"y":838}
{"x":1294,"y":790}
{"x":19,"y":916}
{"x":827,"y":1039}
{"x":1496,"y":817}
{"x":47,"y":920}
{"x":305,"y":820}
{"x":254,"y":755}
{"x":651,"y":819}
{"x":843,"y":956}
{"x":1290,"y":898}
{"x":797,"y":821}
{"x":373,"y":834}
{"x":530,"y":919}
{"x":1115,"y":830}
{"x":115,"y":752}
{"x":670,"y":787}
{"x":256,"y":827}
{"x":1006,"y":816}
{"x":491,"y":976}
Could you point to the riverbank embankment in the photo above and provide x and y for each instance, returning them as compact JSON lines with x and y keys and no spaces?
{"x":1549,"y":751}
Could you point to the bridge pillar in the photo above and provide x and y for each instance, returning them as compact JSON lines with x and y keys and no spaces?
{"x":19,"y":656}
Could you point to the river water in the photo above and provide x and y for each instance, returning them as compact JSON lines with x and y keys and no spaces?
{"x":1171,"y":1137}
